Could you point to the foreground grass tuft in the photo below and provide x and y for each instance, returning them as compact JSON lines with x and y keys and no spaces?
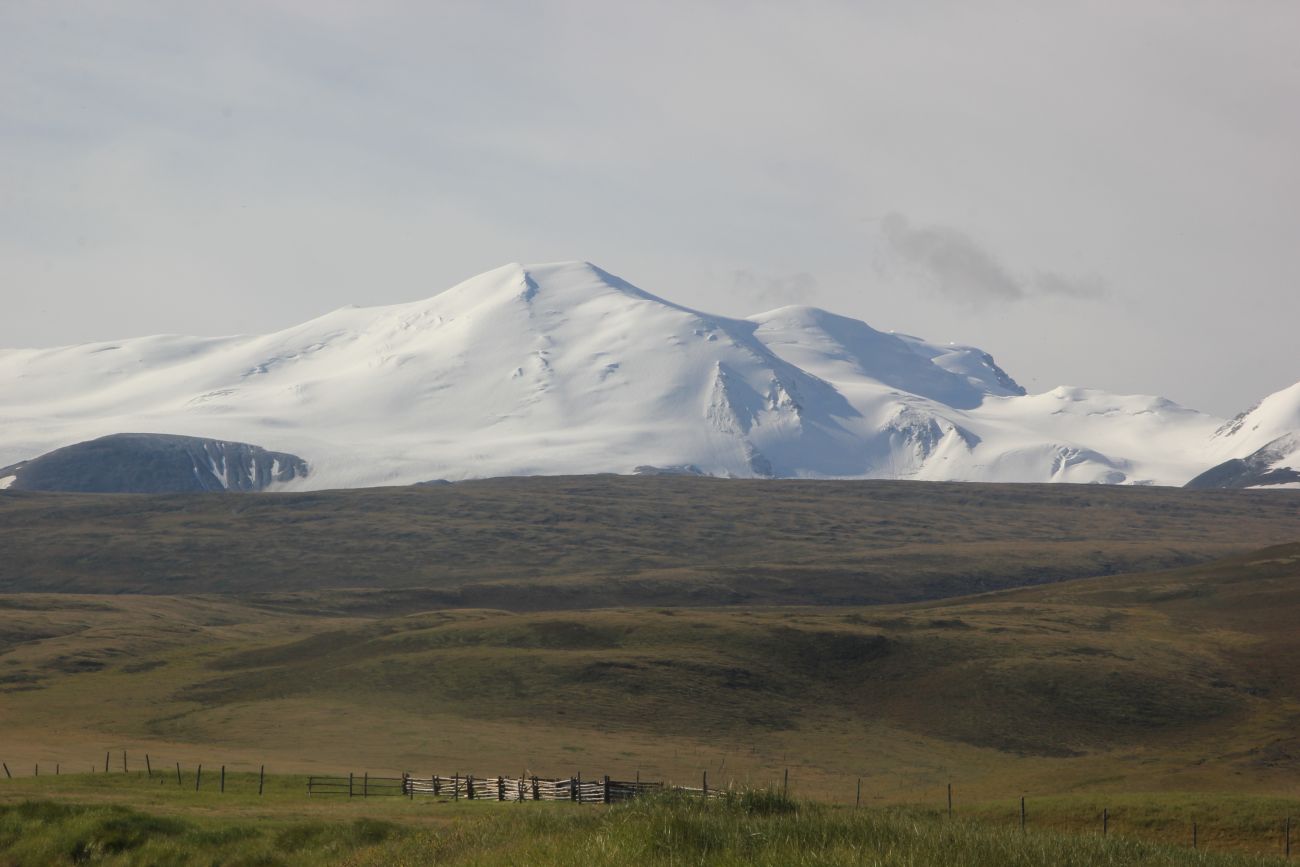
{"x":770,"y":830}
{"x":758,"y":828}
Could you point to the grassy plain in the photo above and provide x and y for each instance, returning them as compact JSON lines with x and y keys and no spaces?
{"x":127,"y":819}
{"x":643,"y":627}
{"x":1185,"y":680}
{"x":600,"y":541}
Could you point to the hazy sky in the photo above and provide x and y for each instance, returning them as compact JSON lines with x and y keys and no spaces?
{"x":1102,"y":194}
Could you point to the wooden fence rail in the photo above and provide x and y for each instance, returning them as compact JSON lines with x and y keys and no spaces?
{"x":354,"y":786}
{"x":475,"y":787}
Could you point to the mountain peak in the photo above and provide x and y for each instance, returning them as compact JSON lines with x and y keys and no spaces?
{"x":564,"y":367}
{"x":557,"y":283}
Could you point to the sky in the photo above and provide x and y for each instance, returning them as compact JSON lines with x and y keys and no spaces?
{"x":1099,"y":194}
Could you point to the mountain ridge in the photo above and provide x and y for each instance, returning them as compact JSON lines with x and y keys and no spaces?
{"x":565,"y":368}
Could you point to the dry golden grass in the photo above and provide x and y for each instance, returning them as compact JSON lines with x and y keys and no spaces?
{"x":1179,"y":681}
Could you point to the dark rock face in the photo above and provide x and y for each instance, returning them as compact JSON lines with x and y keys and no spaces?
{"x":1258,"y":469}
{"x":142,"y":463}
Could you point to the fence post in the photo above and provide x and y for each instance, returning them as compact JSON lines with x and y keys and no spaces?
{"x":455,"y":788}
{"x":409,"y":782}
{"x":704,"y":785}
{"x":1194,"y":841}
{"x":349,"y":784}
{"x":950,"y":800}
{"x":536,"y":792}
{"x":1105,"y":821}
{"x":37,"y":772}
{"x":147,"y":766}
{"x":1022,"y":814}
{"x":178,"y":773}
{"x":106,"y":755}
{"x":579,"y":787}
{"x":501,"y":788}
{"x":365,"y":784}
{"x":437,"y":789}
{"x":7,"y":774}
{"x":607,"y":788}
{"x":573,"y":790}
{"x":469,"y":786}
{"x":785,"y":784}
{"x":261,"y":778}
{"x":56,"y":769}
{"x":223,"y":778}
{"x":857,"y":801}
{"x":198,"y":775}
{"x":124,"y":761}
{"x":1288,"y":836}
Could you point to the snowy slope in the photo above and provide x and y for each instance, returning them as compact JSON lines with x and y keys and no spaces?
{"x":565,"y":368}
{"x":1260,"y":447}
{"x":1275,"y":416}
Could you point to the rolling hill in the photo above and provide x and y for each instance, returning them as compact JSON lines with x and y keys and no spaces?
{"x":1179,"y":680}
{"x":565,"y":542}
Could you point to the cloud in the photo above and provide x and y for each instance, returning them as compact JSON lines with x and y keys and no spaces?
{"x":1051,"y":283}
{"x":955,"y":265}
{"x":775,"y":289}
{"x":952,"y":262}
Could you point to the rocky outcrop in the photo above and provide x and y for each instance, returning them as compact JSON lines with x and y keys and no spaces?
{"x":1274,"y":464}
{"x":148,"y":463}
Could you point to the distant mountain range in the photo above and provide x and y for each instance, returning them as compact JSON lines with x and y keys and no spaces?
{"x":567,"y":369}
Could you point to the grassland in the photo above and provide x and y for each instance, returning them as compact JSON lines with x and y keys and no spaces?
{"x":1177,"y":681}
{"x":128,"y":819}
{"x":664,"y":628}
{"x":600,"y":541}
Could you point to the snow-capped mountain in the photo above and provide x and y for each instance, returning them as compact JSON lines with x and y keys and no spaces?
{"x":1261,"y":446}
{"x":565,"y":368}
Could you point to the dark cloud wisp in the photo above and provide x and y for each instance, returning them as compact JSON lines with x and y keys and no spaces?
{"x":956,"y":266}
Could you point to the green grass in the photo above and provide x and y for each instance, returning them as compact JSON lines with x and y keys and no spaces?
{"x":50,"y":833}
{"x":1232,"y":822}
{"x":759,"y":829}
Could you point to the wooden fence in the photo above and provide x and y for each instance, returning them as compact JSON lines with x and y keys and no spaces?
{"x":496,"y":788}
{"x":353,"y":786}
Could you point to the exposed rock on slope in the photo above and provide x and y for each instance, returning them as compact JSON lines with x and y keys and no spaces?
{"x":154,"y":464}
{"x":1277,"y":463}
